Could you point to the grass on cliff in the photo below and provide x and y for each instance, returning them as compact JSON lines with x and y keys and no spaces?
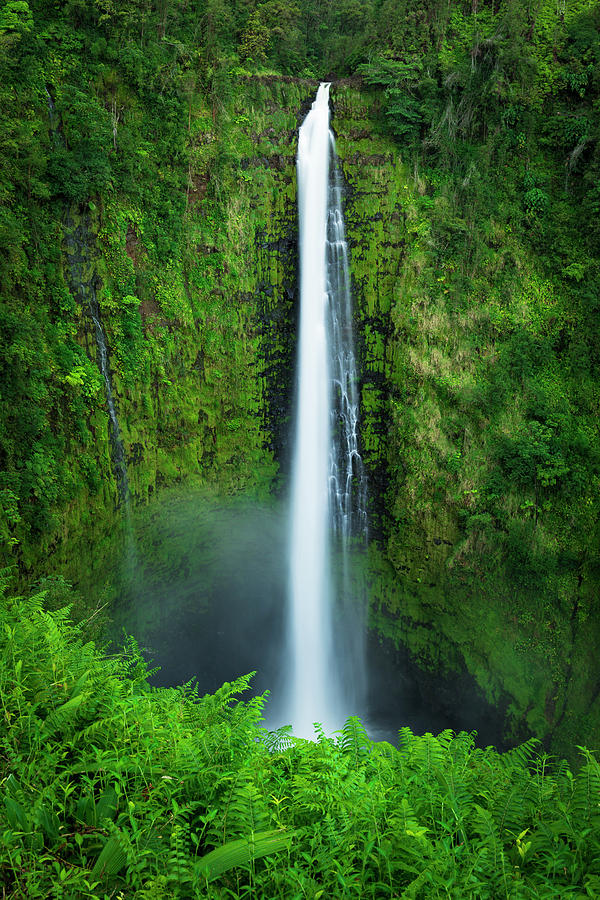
{"x":487,"y":419}
{"x":144,"y":152}
{"x":112,"y":788}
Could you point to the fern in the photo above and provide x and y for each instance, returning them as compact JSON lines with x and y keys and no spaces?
{"x":63,"y":716}
{"x":179,"y":868}
{"x":457,"y":798}
{"x":164,"y":793}
{"x":279,"y":740}
{"x":244,"y":809}
{"x":113,"y":856}
{"x":512,"y":808}
{"x":355,"y":741}
{"x":522,"y":755}
{"x":585,"y":802}
{"x":485,"y":826}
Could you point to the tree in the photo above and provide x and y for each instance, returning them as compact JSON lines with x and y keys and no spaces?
{"x":16,"y":19}
{"x":255,"y":39}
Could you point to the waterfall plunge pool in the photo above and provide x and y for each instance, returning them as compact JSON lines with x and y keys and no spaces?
{"x":200,"y":582}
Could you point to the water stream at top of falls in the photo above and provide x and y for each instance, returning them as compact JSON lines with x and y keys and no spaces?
{"x":327,"y":467}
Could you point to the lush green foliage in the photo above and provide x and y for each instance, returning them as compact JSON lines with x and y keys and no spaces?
{"x":127,"y":167}
{"x":111,"y":786}
{"x":120,"y":157}
{"x":492,"y":366}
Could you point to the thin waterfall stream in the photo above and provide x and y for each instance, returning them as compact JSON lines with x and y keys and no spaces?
{"x":347,"y":476}
{"x":77,"y":244}
{"x":328,"y":482}
{"x":119,"y":461}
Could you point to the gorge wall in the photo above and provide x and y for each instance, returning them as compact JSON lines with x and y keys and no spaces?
{"x":476,"y":438}
{"x":478,"y":563}
{"x":199,"y":326}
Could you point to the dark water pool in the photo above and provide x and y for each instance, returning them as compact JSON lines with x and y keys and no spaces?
{"x":202,"y":587}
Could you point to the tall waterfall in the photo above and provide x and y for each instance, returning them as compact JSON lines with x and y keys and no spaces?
{"x":327,"y":464}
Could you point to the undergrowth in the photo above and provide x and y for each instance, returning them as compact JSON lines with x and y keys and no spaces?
{"x":112,"y":788}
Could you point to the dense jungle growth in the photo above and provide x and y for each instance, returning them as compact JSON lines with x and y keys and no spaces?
{"x":115,"y":789}
{"x":147,"y":184}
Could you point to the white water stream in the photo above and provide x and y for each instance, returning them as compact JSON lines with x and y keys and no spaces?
{"x":326,"y":460}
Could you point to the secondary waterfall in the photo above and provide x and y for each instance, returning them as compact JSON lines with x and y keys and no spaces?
{"x":327,"y":464}
{"x":347,"y":482}
{"x":118,"y":455}
{"x":78,"y":245}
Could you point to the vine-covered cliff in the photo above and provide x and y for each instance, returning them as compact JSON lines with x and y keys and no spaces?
{"x":193,"y":285}
{"x":479,"y":433}
{"x":148,"y":205}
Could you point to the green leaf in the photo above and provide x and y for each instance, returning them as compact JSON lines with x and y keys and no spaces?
{"x":237,"y":853}
{"x":111,"y":859}
{"x":16,"y":815}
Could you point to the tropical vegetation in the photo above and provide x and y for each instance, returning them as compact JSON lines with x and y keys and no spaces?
{"x":146,"y":179}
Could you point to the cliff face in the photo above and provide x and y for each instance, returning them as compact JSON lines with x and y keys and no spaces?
{"x":480,"y":560}
{"x":475,"y":436}
{"x":198,"y":324}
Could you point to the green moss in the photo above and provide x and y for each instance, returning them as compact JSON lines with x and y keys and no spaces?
{"x":194,"y":317}
{"x":473,"y":571}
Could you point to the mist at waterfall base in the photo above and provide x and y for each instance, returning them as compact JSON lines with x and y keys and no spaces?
{"x":205,"y":594}
{"x":205,"y":597}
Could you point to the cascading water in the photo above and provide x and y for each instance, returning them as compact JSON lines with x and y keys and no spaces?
{"x":78,"y":241}
{"x":52,"y":115}
{"x":347,"y":478}
{"x":326,"y":463}
{"x":347,"y":481}
{"x":119,"y":463}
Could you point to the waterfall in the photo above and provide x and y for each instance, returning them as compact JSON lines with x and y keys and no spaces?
{"x":51,"y":115}
{"x":347,"y":481}
{"x":78,"y":246}
{"x":347,"y":477}
{"x":326,"y":462}
{"x":118,"y":455}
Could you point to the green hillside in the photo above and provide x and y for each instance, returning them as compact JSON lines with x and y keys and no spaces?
{"x":147,"y":189}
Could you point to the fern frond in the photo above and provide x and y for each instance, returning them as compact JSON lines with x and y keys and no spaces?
{"x":64,"y":715}
{"x":179,"y":855}
{"x":406,"y":740}
{"x":489,"y":854}
{"x":113,"y":856}
{"x":279,"y":740}
{"x":512,"y":808}
{"x":244,"y":809}
{"x":461,"y":748}
{"x":522,"y":755}
{"x":585,"y":802}
{"x":456,"y":798}
{"x":354,"y":741}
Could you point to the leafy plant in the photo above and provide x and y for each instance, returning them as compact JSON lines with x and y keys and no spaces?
{"x":109,"y":785}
